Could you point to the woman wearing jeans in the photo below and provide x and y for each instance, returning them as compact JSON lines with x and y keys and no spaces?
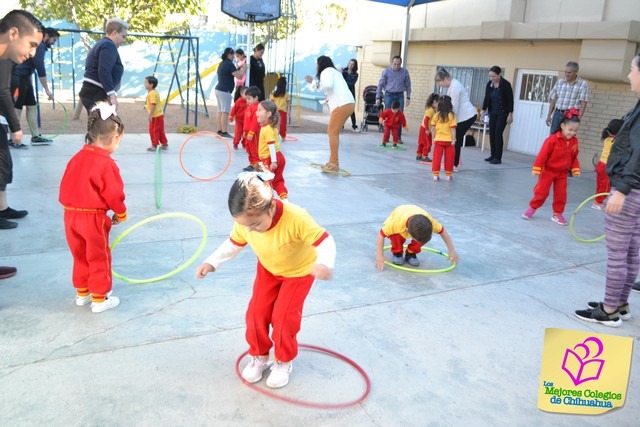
{"x":622,"y":219}
{"x":498,"y":104}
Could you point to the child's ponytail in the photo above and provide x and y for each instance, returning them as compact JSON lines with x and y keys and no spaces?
{"x":612,"y":128}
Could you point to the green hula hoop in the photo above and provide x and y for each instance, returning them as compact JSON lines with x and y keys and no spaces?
{"x":391,"y":147}
{"x":573,"y":216}
{"x":64,"y":126}
{"x":424,"y":271}
{"x":342,"y":172}
{"x":157,"y":178}
{"x":181,"y":267}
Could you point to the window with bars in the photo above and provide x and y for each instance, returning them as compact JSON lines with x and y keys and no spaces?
{"x":536,"y":87}
{"x":474,"y":80}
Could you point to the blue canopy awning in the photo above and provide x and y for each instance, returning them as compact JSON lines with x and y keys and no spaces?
{"x":404,"y":3}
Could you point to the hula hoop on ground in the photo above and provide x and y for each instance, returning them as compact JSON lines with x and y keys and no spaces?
{"x":157,"y":178}
{"x":419,"y":270}
{"x":205,"y":132}
{"x":343,"y":172}
{"x":391,"y":147}
{"x":290,"y":138}
{"x":313,"y":404}
{"x":573,"y":216}
{"x":181,"y":267}
{"x":64,"y":125}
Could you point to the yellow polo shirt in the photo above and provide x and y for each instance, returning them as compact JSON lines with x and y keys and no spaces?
{"x":268,"y":135}
{"x":443,"y":127}
{"x":396,"y":223}
{"x":153,"y":97}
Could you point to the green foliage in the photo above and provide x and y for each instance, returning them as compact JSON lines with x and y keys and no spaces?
{"x":142,"y":15}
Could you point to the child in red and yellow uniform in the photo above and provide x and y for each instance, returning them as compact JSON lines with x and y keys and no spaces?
{"x":251,"y":127}
{"x":281,"y":99}
{"x":269,"y":146}
{"x":410,"y":221}
{"x":237,"y":115}
{"x":558,"y":154}
{"x":602,"y":179}
{"x":424,"y":134}
{"x":443,"y":129}
{"x":292,"y":251}
{"x":392,"y":119}
{"x":156,"y":115}
{"x":90,"y":187}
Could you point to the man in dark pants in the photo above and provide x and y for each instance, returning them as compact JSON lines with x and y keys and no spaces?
{"x":570,"y":92}
{"x":22,"y":89}
{"x":394,"y":82}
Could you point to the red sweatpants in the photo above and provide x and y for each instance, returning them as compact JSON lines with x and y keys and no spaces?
{"x":424,"y":143}
{"x":397,"y":242}
{"x":237,"y":133}
{"x":449,"y":151}
{"x":394,"y":133}
{"x":277,"y":302}
{"x":252,"y":150}
{"x":156,"y":131}
{"x":283,"y":124}
{"x":88,"y":238}
{"x":541,"y":190}
{"x":277,"y":183}
{"x":602,"y":182}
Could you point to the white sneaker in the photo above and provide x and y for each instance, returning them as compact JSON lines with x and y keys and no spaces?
{"x":456,"y":169}
{"x":81,"y":301}
{"x":448,"y":179}
{"x":252,"y":373}
{"x":279,"y":376}
{"x":356,"y":129}
{"x":436,"y":178}
{"x":108,"y":304}
{"x":596,"y":207}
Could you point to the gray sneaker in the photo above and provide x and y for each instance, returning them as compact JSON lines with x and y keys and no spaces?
{"x":18,"y":146}
{"x":412,"y":259}
{"x":397,"y":259}
{"x":598,"y":315}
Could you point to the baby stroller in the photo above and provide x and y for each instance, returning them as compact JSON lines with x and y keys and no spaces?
{"x":371,"y":110}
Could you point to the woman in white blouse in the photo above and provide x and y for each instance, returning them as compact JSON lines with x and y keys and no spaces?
{"x":341,"y":103}
{"x":464,"y":110}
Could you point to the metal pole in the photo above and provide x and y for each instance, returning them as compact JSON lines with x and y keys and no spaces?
{"x":407,"y":30}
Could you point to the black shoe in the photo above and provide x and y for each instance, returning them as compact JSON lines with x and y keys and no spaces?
{"x":624,"y":311}
{"x":495,"y":162}
{"x":598,"y":315}
{"x":411,"y":259}
{"x":225,"y":134}
{"x":40,"y":140}
{"x":418,"y":157}
{"x":488,"y":159}
{"x":249,"y":169}
{"x":7,"y":225}
{"x":6,"y":272}
{"x":13,"y":214}
{"x":636,"y":287}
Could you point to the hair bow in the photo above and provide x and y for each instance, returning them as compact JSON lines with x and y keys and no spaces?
{"x":106,"y":110}
{"x":263,"y":176}
{"x":571,"y":112}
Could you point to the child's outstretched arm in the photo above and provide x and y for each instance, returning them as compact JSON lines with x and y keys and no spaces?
{"x":326,"y":252}
{"x":453,"y":255}
{"x":380,"y":252}
{"x":225,"y":252}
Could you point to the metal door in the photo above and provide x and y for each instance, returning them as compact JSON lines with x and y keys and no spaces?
{"x":531,"y":105}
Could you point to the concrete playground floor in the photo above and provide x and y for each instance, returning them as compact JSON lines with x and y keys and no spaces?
{"x":455,"y":349}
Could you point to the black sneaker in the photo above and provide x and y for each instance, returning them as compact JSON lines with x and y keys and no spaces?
{"x":624,"y":311}
{"x":418,"y":157}
{"x":18,"y":146}
{"x":249,"y":169}
{"x":225,"y":134}
{"x":636,"y":287}
{"x":598,"y":315}
{"x":7,"y":225}
{"x":40,"y":140}
{"x":10,"y":213}
{"x":426,"y":159}
{"x":495,"y":162}
{"x":488,"y":159}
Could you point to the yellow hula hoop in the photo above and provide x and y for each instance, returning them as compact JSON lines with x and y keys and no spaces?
{"x":419,"y":270}
{"x":573,"y":217}
{"x":181,"y":267}
{"x":342,"y":172}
